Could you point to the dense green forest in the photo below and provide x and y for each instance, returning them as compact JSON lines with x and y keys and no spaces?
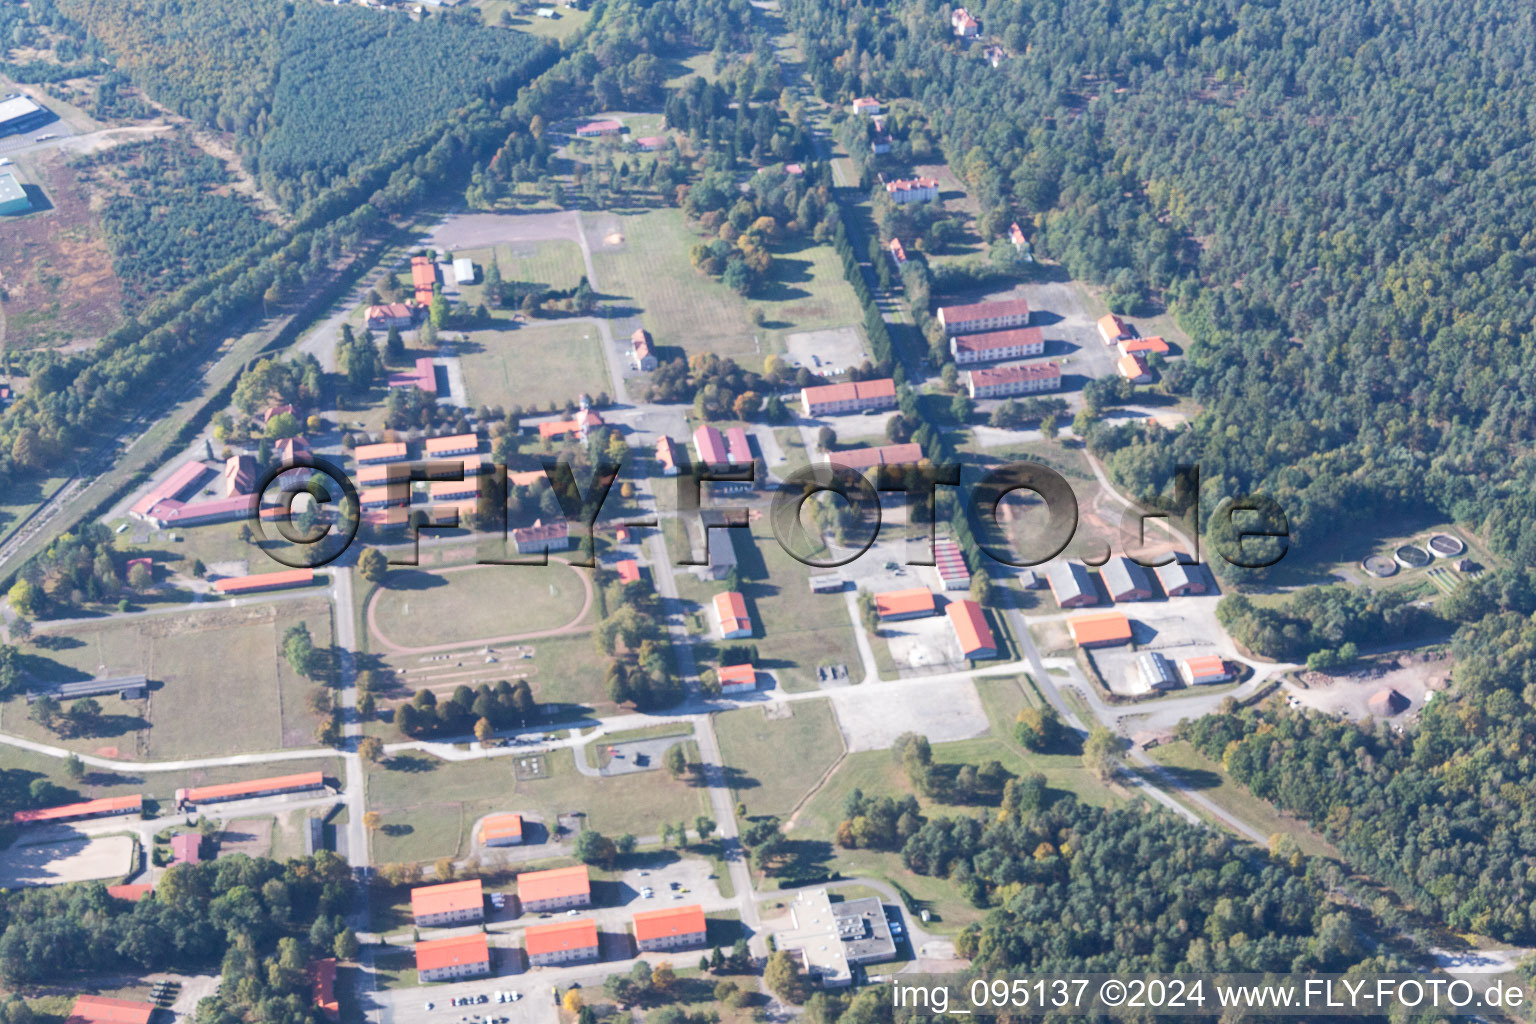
{"x":170,"y":216}
{"x":1078,"y":888}
{"x":309,"y":90}
{"x":257,"y":922}
{"x":1444,"y":815}
{"x":1338,"y":199}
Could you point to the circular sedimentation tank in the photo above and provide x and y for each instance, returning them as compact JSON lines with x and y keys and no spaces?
{"x":1379,"y":565}
{"x":1443,"y":545}
{"x":1411,"y":556}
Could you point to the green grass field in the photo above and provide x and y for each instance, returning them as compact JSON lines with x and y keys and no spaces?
{"x":795,"y":631}
{"x":428,"y":805}
{"x":21,"y":498}
{"x":542,"y":362}
{"x":775,"y":762}
{"x":566,"y":22}
{"x":252,"y":701}
{"x":683,"y":307}
{"x":417,"y":608}
{"x":553,"y":264}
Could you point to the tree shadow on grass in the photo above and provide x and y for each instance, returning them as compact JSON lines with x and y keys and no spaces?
{"x":412,"y":763}
{"x":414,"y":579}
{"x":1193,"y":778}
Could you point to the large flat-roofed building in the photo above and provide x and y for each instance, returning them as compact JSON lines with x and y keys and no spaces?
{"x":105,"y":807}
{"x":896,"y":605}
{"x":463,"y":270}
{"x":13,"y":198}
{"x":107,"y":1010}
{"x":463,"y":956}
{"x":565,"y":942}
{"x":1126,"y":580}
{"x":1019,"y":343}
{"x":969,"y":622}
{"x":1071,"y":584}
{"x":1002,"y":381}
{"x":1180,"y":578}
{"x":555,"y":889}
{"x":862,"y":459}
{"x":973,"y":317}
{"x":719,"y":541}
{"x":448,"y":903}
{"x":1102,"y":630}
{"x":21,"y":114}
{"x":833,"y":938}
{"x":731,"y":613}
{"x":196,"y":795}
{"x":422,"y":376}
{"x":854,"y":396}
{"x":501,"y":830}
{"x":670,"y":928}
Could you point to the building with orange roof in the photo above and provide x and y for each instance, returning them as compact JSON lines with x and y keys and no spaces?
{"x":106,"y":1010}
{"x":896,"y":605}
{"x":554,"y":889}
{"x":322,"y":974}
{"x":379,"y":476}
{"x":628,"y":570}
{"x":374,"y":454}
{"x":1132,"y":346}
{"x":1104,"y":629}
{"x":1113,"y":329}
{"x":422,"y":376}
{"x":865,"y":105}
{"x":1002,"y":381}
{"x":445,"y":447}
{"x":440,"y":491}
{"x":1134,"y":369}
{"x":564,"y":942}
{"x":973,"y":317}
{"x":912,"y":190}
{"x":171,"y":490}
{"x":964,"y":23}
{"x":898,"y":252}
{"x":464,"y":956}
{"x":666,"y":455}
{"x":501,"y":830}
{"x":188,"y":798}
{"x":390,"y":314}
{"x":670,"y":928}
{"x":854,"y":396}
{"x":265,"y":581}
{"x":970,"y":625}
{"x":239,"y":475}
{"x":1016,"y":343}
{"x":736,"y":679}
{"x":423,"y":279}
{"x":592,"y":129}
{"x":731,"y":614}
{"x":542,"y":536}
{"x":1015,"y":233}
{"x":1204,"y":669}
{"x":862,"y":459}
{"x":104,"y":807}
{"x":448,"y":903}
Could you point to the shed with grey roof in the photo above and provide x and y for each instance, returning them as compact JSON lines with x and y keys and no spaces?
{"x":1071,"y":584}
{"x":1125,"y":580}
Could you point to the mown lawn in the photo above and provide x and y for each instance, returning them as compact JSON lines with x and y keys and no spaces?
{"x":773,"y":763}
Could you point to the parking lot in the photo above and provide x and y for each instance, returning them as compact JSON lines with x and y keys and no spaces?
{"x":639,"y":755}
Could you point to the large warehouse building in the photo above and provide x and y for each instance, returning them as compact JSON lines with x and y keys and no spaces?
{"x":13,"y":198}
{"x":20,"y":114}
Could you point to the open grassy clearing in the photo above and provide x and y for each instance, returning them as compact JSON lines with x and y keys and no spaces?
{"x":252,"y":701}
{"x":553,"y":264}
{"x":540,"y":363}
{"x":1200,"y":773}
{"x":795,"y":631}
{"x":680,"y":306}
{"x":773,"y":763}
{"x":22,"y":497}
{"x":428,"y":805}
{"x":566,"y":22}
{"x":418,"y":608}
